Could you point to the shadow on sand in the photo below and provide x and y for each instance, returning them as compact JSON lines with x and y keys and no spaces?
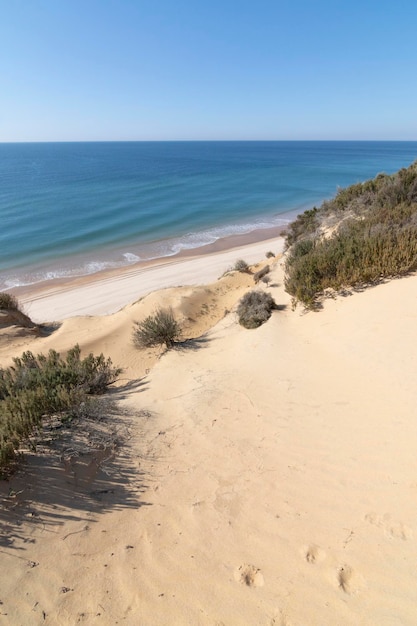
{"x":75,"y":474}
{"x":192,"y":344}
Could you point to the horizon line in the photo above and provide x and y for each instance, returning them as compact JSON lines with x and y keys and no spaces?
{"x":24,"y":141}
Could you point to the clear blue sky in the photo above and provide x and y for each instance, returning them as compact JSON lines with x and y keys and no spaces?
{"x":78,"y":70}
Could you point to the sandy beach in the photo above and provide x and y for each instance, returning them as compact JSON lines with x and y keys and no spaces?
{"x":108,"y":291}
{"x":256,"y":477}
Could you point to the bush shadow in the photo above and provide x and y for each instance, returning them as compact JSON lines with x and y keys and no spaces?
{"x":192,"y":344}
{"x":72,"y":479}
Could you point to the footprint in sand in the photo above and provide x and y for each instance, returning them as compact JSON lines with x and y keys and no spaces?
{"x":314,"y":554}
{"x":349,"y":580}
{"x":249,"y":575}
{"x":396,"y":530}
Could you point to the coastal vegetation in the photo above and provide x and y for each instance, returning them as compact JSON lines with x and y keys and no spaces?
{"x":160,"y":328}
{"x":241,"y":266}
{"x":8,"y":301}
{"x":261,"y":273}
{"x":11,"y":312}
{"x":36,"y":387}
{"x":255,"y":308}
{"x":367,"y":233}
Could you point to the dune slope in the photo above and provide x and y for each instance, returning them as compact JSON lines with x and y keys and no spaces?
{"x":266,"y":477}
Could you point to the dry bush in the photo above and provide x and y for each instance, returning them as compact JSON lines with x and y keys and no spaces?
{"x":241,"y":266}
{"x":157,"y":329}
{"x":8,"y":302}
{"x":11,"y":312}
{"x":255,"y":308}
{"x":263,"y":272}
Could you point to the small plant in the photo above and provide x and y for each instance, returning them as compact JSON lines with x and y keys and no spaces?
{"x":270,"y":255}
{"x":255,"y":308}
{"x":157,"y":329}
{"x":241,"y":266}
{"x":263,"y":272}
{"x":8,"y":302}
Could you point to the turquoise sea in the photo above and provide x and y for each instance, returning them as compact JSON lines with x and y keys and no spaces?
{"x":71,"y":209}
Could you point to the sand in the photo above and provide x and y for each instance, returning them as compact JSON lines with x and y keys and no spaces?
{"x":255,"y":477}
{"x":107,"y":292}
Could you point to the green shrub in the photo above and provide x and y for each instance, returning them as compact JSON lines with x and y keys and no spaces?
{"x":36,"y":386}
{"x":376,"y":238}
{"x":255,"y":308}
{"x":161,"y":328}
{"x":305,"y":224}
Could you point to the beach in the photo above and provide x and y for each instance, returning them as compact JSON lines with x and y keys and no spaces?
{"x":262,"y":476}
{"x":108,"y":291}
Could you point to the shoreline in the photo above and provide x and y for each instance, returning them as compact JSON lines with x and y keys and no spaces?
{"x":115,"y":259}
{"x":107,"y":291}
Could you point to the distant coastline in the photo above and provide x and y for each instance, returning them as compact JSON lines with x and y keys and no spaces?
{"x":76,"y":209}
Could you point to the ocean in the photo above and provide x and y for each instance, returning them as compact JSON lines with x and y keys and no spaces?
{"x":71,"y":209}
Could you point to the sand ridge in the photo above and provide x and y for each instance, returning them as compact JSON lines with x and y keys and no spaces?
{"x":265,"y":476}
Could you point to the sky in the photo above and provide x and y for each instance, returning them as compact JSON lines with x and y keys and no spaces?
{"x":108,"y":70}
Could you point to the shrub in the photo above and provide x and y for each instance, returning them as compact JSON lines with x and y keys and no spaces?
{"x":241,"y":266}
{"x":255,"y":308}
{"x":8,"y":302}
{"x":36,"y":386}
{"x":269,"y":255}
{"x":263,"y":272}
{"x":306,"y":223}
{"x":157,"y":329}
{"x":376,"y":238}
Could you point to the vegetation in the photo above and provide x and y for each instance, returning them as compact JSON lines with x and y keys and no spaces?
{"x":374,"y":236}
{"x":8,"y":302}
{"x":255,"y":308}
{"x":157,"y":329}
{"x":263,"y":272}
{"x":37,"y":386}
{"x":305,"y":224}
{"x":241,"y":266}
{"x":12,"y":313}
{"x":269,"y":255}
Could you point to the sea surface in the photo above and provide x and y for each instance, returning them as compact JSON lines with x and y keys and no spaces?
{"x":71,"y":209}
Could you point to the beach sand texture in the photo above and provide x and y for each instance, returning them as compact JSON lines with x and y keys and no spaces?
{"x":266,"y":477}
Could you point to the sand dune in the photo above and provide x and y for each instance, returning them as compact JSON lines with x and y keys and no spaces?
{"x":266,"y":476}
